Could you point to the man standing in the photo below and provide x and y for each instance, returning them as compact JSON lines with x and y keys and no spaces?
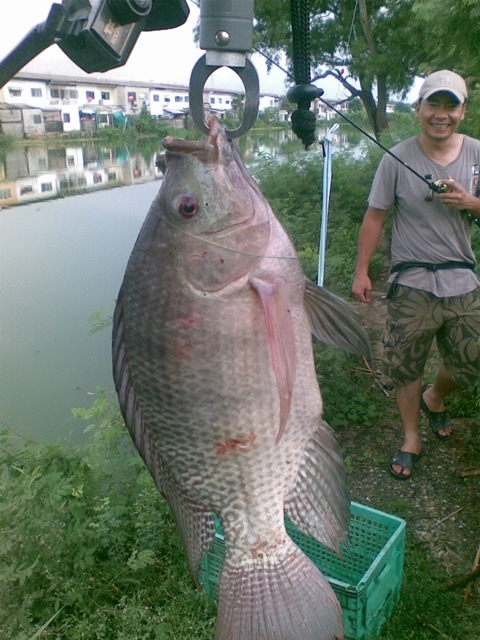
{"x":434,"y":292}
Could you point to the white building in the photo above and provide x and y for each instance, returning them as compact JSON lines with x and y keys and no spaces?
{"x":269,"y":101}
{"x":80,"y":100}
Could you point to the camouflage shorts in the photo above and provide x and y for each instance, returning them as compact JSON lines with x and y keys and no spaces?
{"x":414,"y":319}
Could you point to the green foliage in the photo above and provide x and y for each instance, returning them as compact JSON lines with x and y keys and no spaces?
{"x":374,"y":40}
{"x":454,"y":33}
{"x":85,"y":537}
{"x":338,"y":372}
{"x":402,"y":107}
{"x":426,"y":610}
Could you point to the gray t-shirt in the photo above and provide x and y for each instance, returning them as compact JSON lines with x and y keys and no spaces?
{"x":425,"y":230}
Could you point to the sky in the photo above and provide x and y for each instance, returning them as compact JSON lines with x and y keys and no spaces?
{"x":158,"y":56}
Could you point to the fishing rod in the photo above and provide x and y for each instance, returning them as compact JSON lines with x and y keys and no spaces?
{"x":303,"y":93}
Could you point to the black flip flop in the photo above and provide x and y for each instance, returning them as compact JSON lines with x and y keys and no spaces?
{"x":406,"y":460}
{"x":438,"y":420}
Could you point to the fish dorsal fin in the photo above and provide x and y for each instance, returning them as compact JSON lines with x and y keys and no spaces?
{"x":128,"y":400}
{"x":281,"y":340}
{"x":335,"y":321}
{"x":195,"y":523}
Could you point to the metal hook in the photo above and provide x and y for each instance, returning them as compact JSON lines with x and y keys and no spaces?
{"x":247,"y":74}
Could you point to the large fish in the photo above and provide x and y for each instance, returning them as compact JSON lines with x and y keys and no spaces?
{"x":213,"y":364}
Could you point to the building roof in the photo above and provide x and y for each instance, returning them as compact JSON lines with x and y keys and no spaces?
{"x":95,"y":80}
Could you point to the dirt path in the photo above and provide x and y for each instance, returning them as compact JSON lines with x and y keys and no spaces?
{"x":441,"y":502}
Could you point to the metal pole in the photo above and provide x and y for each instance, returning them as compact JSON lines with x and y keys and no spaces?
{"x":327,"y":181}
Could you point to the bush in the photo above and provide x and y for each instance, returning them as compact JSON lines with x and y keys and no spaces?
{"x":85,"y":535}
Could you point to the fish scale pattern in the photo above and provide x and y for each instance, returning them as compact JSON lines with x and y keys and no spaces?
{"x":204,"y":372}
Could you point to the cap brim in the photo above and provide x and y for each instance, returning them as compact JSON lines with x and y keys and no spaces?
{"x":456,"y":94}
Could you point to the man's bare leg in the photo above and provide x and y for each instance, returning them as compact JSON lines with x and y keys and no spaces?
{"x":436,"y":394}
{"x":408,"y":402}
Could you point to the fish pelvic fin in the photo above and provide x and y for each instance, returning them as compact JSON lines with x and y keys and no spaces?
{"x":196,"y":526}
{"x":281,"y":341}
{"x":278,"y":595}
{"x":335,"y":321}
{"x":318,"y":503}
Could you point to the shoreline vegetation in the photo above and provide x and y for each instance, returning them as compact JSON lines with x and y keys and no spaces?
{"x":89,"y":550}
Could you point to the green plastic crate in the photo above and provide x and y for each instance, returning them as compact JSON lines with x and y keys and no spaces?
{"x":367,"y":579}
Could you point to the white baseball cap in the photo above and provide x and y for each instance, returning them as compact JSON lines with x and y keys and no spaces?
{"x":445,"y":81}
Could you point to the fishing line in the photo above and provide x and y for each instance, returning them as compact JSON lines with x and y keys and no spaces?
{"x":221,"y":246}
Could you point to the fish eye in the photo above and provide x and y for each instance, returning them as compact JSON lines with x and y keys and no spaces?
{"x":188,"y":207}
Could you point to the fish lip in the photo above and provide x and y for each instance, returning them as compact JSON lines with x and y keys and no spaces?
{"x":207,"y":149}
{"x":177,"y":147}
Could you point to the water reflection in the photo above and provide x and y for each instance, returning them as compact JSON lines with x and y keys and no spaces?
{"x":39,"y":173}
{"x":44,"y":172}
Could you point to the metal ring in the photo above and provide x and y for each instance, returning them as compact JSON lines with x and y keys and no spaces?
{"x":247,"y":74}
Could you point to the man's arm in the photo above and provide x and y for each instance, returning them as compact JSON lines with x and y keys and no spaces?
{"x":368,"y":239}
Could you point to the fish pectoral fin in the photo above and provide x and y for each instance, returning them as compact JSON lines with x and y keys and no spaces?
{"x":281,"y":340}
{"x":335,"y":321}
{"x":318,"y":503}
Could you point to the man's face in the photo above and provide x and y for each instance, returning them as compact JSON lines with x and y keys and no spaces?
{"x":440,"y":115}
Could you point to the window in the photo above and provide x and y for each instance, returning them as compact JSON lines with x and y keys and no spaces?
{"x":212,"y":100}
{"x":185,"y":99}
{"x":156,"y":97}
{"x":220,"y":100}
{"x":42,"y":163}
{"x":131,"y":96}
{"x":36,"y":93}
{"x":66,"y":117}
{"x":167,"y":98}
{"x":14,"y":92}
{"x":70,"y":161}
{"x":63,"y":94}
{"x":47,"y":186}
{"x":111,"y":176}
{"x":90,"y":95}
{"x":105,"y":95}
{"x":37,"y":119}
{"x":5,"y":194}
{"x":178,"y":99}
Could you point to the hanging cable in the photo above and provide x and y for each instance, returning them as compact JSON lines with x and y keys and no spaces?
{"x":303,"y":120}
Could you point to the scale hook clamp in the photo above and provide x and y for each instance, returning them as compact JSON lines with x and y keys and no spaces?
{"x":247,"y":74}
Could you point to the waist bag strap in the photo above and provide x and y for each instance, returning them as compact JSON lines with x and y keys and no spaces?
{"x":402,"y":266}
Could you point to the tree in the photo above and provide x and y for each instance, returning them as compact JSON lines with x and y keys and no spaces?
{"x":376,"y":41}
{"x":454,"y":29}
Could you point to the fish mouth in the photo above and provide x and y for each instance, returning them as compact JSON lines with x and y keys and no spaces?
{"x":176,"y":147}
{"x":206,"y":150}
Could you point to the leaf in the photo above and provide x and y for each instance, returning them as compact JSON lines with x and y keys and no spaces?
{"x":47,"y":623}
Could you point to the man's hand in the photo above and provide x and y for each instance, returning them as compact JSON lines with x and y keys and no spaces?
{"x":362,"y":288}
{"x":457,"y":197}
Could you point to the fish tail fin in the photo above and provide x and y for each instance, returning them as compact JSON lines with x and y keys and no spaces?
{"x":277,"y":595}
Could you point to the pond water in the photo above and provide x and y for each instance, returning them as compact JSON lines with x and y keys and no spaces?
{"x":61,"y":262}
